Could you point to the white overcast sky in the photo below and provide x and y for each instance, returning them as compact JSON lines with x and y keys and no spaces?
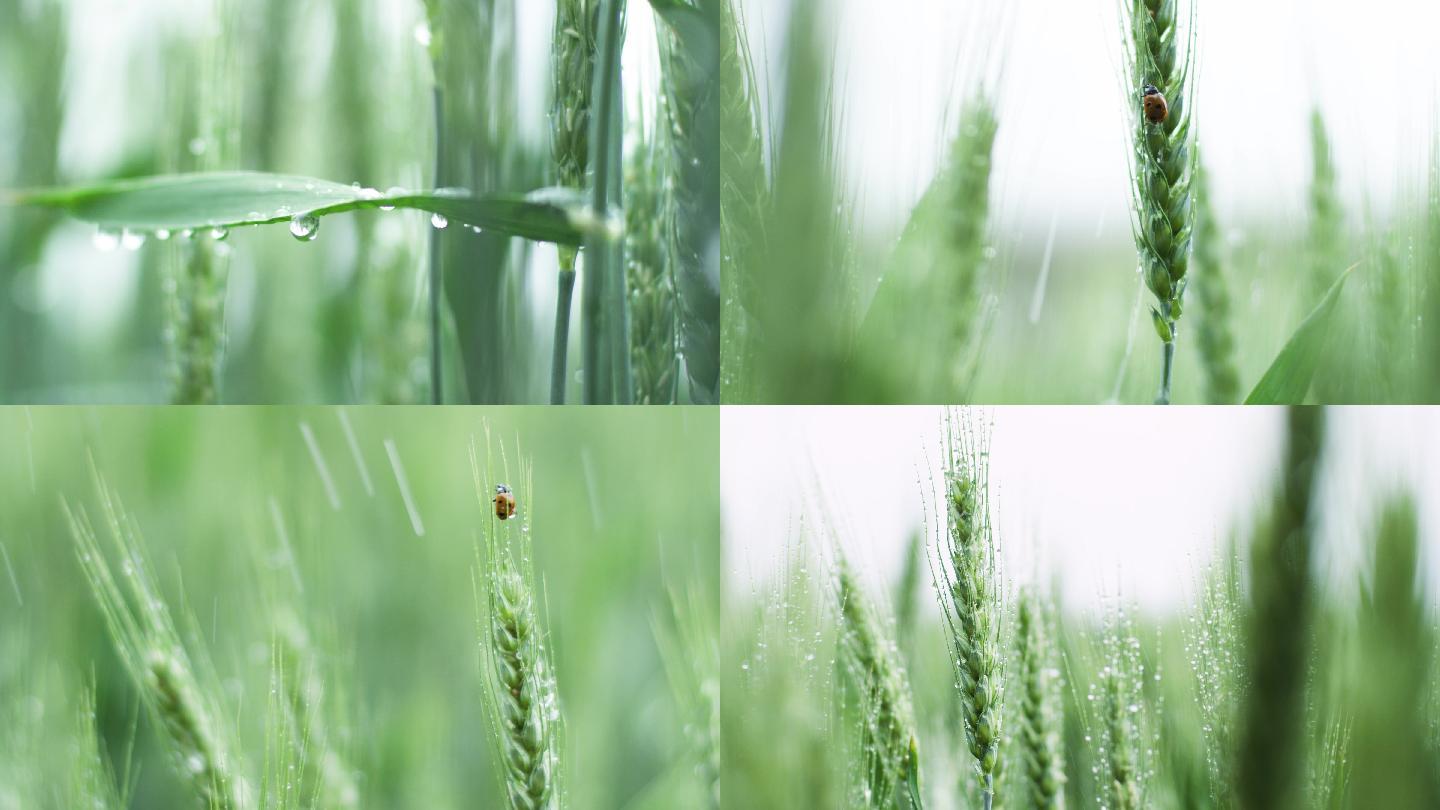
{"x":1373,"y":68}
{"x":1133,"y":500}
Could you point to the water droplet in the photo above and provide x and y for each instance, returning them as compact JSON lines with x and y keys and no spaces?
{"x":305,"y":227}
{"x":219,"y":234}
{"x":393,"y":191}
{"x":195,"y":763}
{"x":105,"y":241}
{"x":131,"y":240}
{"x":439,"y":221}
{"x":187,"y":234}
{"x":422,"y":33}
{"x":368,"y":193}
{"x":162,"y":234}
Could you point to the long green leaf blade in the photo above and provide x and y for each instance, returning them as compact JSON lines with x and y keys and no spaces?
{"x":1287,"y":380}
{"x":233,"y":199}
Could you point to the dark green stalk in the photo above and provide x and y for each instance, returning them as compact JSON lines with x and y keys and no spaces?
{"x":1167,"y":367}
{"x":1159,"y":54}
{"x":437,"y":275}
{"x":564,"y":295}
{"x":577,"y":26}
{"x":1278,"y":628}
{"x":603,"y":321}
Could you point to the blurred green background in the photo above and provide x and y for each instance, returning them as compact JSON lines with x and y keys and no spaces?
{"x":624,"y":511}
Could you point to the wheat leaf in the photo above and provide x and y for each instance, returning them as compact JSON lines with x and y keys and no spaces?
{"x":1288,"y":379}
{"x":232,"y":199}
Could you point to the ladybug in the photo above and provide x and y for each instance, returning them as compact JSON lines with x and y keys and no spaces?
{"x":504,"y":502}
{"x":1156,"y":110}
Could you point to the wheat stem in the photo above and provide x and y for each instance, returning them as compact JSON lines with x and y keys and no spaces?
{"x":437,"y":273}
{"x":577,"y":25}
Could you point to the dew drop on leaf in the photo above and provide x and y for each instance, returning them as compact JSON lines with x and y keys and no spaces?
{"x":305,"y":227}
{"x":439,"y":221}
{"x":393,"y":191}
{"x":162,"y":234}
{"x":219,"y":234}
{"x":105,"y":241}
{"x":131,"y":240}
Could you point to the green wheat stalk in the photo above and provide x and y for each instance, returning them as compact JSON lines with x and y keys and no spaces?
{"x":1038,"y":731}
{"x":907,"y":596}
{"x":744,"y":201}
{"x":1160,"y":51}
{"x":1277,"y":630}
{"x":1213,"y":642}
{"x":690,"y":647}
{"x":1326,"y":215}
{"x":689,"y":79}
{"x":196,"y":288}
{"x":577,"y":31}
{"x":93,"y":780}
{"x":649,"y":279}
{"x":928,"y":304}
{"x":1215,"y":332}
{"x":203,"y":750}
{"x":1390,"y":766}
{"x":300,"y":682}
{"x":967,"y":581}
{"x":520,"y":694}
{"x":1123,"y":757}
{"x":1121,"y":786}
{"x":1432,"y":277}
{"x":888,"y":740}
